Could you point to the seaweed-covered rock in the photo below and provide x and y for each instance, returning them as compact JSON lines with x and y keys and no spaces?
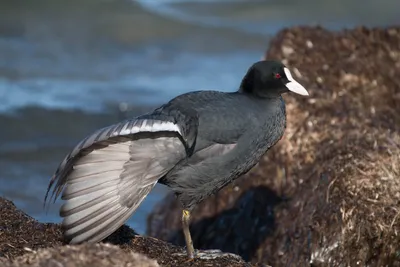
{"x":82,"y":255}
{"x":20,"y":233}
{"x":26,"y":242}
{"x":334,"y":176}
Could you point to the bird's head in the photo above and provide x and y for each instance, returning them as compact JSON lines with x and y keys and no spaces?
{"x":269,"y":78}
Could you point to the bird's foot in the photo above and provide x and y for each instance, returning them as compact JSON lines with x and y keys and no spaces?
{"x":209,"y":254}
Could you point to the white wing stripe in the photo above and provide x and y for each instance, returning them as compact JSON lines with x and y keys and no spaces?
{"x":148,"y":126}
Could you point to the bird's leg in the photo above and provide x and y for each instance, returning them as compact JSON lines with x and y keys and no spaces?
{"x":186,"y":232}
{"x":200,"y":254}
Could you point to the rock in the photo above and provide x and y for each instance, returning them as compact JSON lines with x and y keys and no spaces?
{"x":232,"y":232}
{"x":328,"y":193}
{"x":26,"y":242}
{"x":82,"y":255}
{"x":20,"y":233}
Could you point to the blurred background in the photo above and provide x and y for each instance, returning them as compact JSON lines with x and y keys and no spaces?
{"x":69,"y":67}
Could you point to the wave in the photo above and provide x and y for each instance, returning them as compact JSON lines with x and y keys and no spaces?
{"x":151,"y":82}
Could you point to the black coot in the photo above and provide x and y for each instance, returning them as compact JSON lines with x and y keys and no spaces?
{"x":195,"y":144}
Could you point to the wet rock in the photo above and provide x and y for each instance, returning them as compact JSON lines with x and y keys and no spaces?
{"x":26,"y":242}
{"x":335,"y":175}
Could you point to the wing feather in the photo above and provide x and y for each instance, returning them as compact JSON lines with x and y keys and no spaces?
{"x":109,"y":173}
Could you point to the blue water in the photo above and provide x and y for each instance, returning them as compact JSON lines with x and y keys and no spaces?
{"x":70,"y":67}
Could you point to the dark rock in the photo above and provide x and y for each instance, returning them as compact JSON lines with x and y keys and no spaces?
{"x":335,"y":173}
{"x":26,"y":242}
{"x":229,"y":231}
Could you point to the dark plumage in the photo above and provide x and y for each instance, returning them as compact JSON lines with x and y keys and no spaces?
{"x":196,"y":144}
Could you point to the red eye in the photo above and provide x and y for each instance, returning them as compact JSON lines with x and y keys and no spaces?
{"x":277,"y":76}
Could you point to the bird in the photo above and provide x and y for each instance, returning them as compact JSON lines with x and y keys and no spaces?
{"x":195,"y":144}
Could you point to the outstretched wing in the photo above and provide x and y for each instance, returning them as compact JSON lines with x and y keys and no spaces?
{"x":108,"y":174}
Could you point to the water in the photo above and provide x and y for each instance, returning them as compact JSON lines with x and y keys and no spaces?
{"x":68,"y":67}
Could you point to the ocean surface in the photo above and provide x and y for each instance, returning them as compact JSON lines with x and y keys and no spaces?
{"x":70,"y":67}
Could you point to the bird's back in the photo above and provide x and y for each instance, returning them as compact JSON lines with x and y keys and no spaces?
{"x":224,"y":117}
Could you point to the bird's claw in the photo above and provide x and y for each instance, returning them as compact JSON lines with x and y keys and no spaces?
{"x":213,"y":254}
{"x":209,"y":254}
